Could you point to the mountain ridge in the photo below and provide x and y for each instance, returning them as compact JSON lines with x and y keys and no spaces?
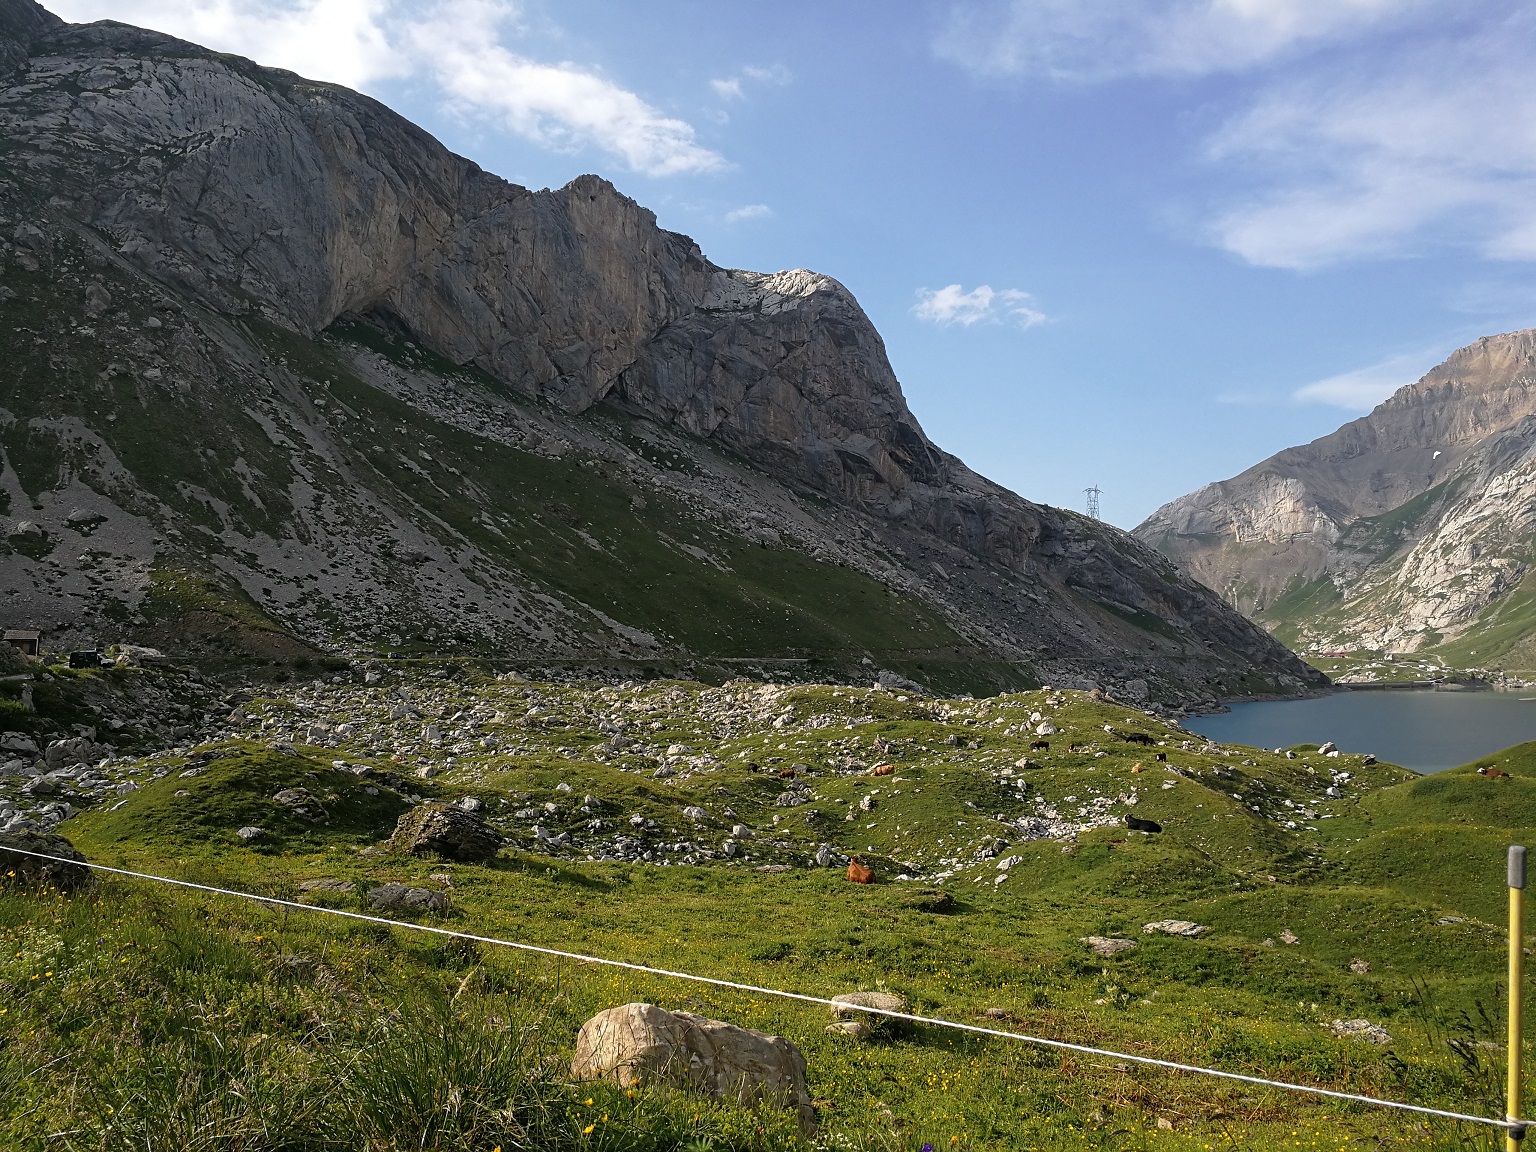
{"x":410,"y":403}
{"x":1405,"y":530}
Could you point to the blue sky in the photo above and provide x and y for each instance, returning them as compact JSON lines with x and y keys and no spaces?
{"x":1135,"y":244}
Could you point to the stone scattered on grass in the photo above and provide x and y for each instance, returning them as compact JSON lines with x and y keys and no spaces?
{"x":641,"y":1044}
{"x":1289,"y":937}
{"x":851,"y":1029}
{"x":1360,"y":1030}
{"x":1359,"y":967}
{"x":1175,"y":928}
{"x":1108,"y":945}
{"x":391,"y":896}
{"x":250,"y":832}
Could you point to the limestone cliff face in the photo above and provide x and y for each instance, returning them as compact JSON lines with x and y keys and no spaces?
{"x":1403,"y":530}
{"x":282,"y":221}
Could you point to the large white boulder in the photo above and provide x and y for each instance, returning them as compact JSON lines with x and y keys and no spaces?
{"x":643,"y":1044}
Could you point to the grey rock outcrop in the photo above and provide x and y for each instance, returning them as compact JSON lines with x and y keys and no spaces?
{"x":69,"y":874}
{"x":249,"y":211}
{"x":390,"y":897}
{"x":445,"y":830}
{"x":643,"y":1044}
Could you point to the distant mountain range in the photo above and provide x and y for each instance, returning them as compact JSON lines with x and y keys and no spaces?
{"x":1408,"y":530}
{"x":280,"y":374}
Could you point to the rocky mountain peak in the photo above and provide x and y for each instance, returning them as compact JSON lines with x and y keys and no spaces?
{"x":1395,"y":530}
{"x":411,"y":401}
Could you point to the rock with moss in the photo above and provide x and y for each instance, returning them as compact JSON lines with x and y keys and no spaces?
{"x":65,"y":869}
{"x":445,"y":830}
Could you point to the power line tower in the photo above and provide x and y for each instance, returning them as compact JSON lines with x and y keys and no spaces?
{"x":1093,"y":501}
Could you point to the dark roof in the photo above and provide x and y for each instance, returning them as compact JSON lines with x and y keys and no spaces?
{"x":22,"y":634}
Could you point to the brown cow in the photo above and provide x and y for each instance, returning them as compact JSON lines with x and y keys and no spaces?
{"x":882,"y":770}
{"x":787,"y":774}
{"x":1039,"y":745}
{"x":1491,"y":772}
{"x":860,"y":873}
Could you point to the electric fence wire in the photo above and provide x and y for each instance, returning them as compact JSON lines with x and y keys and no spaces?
{"x":1515,"y":1127}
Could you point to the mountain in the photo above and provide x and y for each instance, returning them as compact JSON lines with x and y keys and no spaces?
{"x":281,"y":375}
{"x":1408,"y":530}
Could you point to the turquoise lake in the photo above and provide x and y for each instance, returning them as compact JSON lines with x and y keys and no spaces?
{"x":1422,"y":729}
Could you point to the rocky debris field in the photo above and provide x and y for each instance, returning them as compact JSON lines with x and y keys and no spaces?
{"x":747,"y":774}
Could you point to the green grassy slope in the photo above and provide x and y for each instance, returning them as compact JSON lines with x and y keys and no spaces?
{"x":1391,"y":894}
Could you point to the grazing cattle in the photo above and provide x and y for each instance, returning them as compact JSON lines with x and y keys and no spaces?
{"x":882,"y":770}
{"x":1137,"y":824}
{"x":787,"y":774}
{"x":1137,"y":738}
{"x":1491,"y":772}
{"x":1039,"y":745}
{"x":859,"y":873}
{"x":1162,"y":757}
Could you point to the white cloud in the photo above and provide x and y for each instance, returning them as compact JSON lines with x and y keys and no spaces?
{"x":952,"y":305}
{"x":343,"y":41}
{"x":560,"y":105}
{"x":748,"y":212}
{"x":1364,"y":388}
{"x":454,"y":44}
{"x":1433,"y":145}
{"x":735,"y":87}
{"x":1102,"y":39}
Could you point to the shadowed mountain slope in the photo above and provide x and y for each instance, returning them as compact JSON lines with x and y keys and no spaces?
{"x":276,"y":364}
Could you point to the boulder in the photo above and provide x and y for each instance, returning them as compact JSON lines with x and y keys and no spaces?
{"x":445,"y":830}
{"x":643,"y":1044}
{"x":1360,"y":1030}
{"x":26,"y":871}
{"x":1176,"y":928}
{"x":848,"y":1004}
{"x":392,"y":896}
{"x":1108,"y":945}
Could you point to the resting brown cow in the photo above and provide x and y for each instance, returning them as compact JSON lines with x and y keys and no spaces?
{"x":1491,"y":772}
{"x":859,"y":873}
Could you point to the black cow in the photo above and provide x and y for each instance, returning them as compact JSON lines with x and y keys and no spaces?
{"x":1137,"y":824}
{"x":1137,"y":738}
{"x":1039,"y":745}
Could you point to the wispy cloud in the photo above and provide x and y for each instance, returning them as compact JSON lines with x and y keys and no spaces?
{"x":1105,"y":39}
{"x":952,"y":305}
{"x":1364,"y":388}
{"x":735,"y":87}
{"x":748,"y":212}
{"x":457,"y":45}
{"x":1437,"y":145}
{"x":560,"y":105}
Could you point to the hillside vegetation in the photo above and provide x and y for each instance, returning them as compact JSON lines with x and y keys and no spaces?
{"x":649,"y":822}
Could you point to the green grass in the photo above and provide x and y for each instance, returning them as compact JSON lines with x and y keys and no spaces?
{"x":187,"y":1006}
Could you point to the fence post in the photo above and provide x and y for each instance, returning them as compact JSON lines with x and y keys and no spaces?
{"x":1513,"y":1135}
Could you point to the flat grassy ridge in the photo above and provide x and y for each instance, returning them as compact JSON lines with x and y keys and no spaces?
{"x":143,"y":1016}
